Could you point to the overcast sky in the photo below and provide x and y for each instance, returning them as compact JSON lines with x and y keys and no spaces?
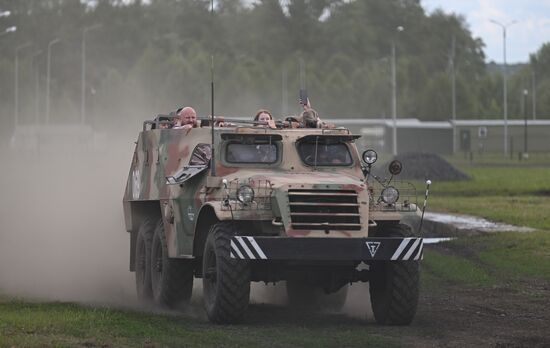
{"x":523,"y":38}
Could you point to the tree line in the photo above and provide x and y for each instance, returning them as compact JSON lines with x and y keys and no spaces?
{"x":147,"y":57}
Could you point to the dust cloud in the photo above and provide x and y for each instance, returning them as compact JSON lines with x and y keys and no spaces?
{"x":357,"y":303}
{"x":62,"y":235}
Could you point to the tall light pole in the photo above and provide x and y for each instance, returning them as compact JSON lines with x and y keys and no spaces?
{"x":534,"y":93}
{"x":505,"y":81}
{"x":8,"y":30}
{"x":284,"y":91}
{"x":83,"y":77}
{"x":394,"y":93}
{"x":48,"y":68}
{"x":36,"y":87}
{"x":16,"y":86}
{"x":453,"y":92}
{"x":524,"y":110}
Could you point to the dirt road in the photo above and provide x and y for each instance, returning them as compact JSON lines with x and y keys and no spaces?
{"x":503,"y":316}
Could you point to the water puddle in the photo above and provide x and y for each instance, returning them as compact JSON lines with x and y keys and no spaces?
{"x":473,"y":223}
{"x":436,"y":240}
{"x":444,"y":225}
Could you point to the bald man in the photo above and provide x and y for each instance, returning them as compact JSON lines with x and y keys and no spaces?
{"x":187,"y":118}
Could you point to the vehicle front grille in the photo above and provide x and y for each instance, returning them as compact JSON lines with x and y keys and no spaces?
{"x":324,"y":210}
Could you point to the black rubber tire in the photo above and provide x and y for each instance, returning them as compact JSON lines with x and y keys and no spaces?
{"x":306,"y":296}
{"x":143,"y":260}
{"x":394,"y":285}
{"x":226,"y":281}
{"x":171,"y":279}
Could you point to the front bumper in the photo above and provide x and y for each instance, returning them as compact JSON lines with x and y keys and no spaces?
{"x":328,"y":249}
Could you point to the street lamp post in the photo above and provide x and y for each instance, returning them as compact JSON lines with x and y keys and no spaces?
{"x":36,"y":87}
{"x":394,"y":94}
{"x":83,"y":72}
{"x":524,"y":107}
{"x":453,"y":92}
{"x":301,"y":67}
{"x":284,"y":91}
{"x":48,"y":68}
{"x":505,"y":81}
{"x":16,"y":84}
{"x":534,"y":93}
{"x":8,"y":30}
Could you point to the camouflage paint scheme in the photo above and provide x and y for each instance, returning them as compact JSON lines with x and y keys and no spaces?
{"x":162,"y":153}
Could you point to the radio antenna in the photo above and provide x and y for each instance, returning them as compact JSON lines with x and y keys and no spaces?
{"x":213,"y":157}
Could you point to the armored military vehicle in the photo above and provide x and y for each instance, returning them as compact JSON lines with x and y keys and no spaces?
{"x":252,"y":203}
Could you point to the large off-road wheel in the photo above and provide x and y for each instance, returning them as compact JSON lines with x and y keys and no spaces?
{"x":171,"y":279}
{"x":143,"y":260}
{"x":394,"y":285}
{"x":306,"y":296}
{"x":226,"y":281}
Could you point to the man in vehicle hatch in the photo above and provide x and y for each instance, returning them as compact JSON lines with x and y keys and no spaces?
{"x":186,"y":118}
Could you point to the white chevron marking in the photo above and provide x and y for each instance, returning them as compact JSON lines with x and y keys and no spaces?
{"x":236,"y":249}
{"x":411,"y":250}
{"x":245,"y":247}
{"x":402,"y":246}
{"x":257,"y":248}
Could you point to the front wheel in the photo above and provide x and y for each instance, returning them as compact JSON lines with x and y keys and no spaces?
{"x":394,"y":285}
{"x":226,"y":281}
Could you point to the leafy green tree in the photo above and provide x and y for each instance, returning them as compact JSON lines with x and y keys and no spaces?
{"x":152,"y":56}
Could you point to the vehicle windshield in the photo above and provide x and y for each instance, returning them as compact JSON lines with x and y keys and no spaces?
{"x":254,"y":152}
{"x":324,"y":154}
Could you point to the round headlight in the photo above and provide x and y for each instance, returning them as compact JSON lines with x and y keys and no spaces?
{"x":245,"y":194}
{"x":370,"y":156}
{"x":390,"y":195}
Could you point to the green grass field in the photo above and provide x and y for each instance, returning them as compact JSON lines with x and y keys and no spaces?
{"x":503,"y":193}
{"x":30,"y":324}
{"x":483,"y":261}
{"x":513,"y":194}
